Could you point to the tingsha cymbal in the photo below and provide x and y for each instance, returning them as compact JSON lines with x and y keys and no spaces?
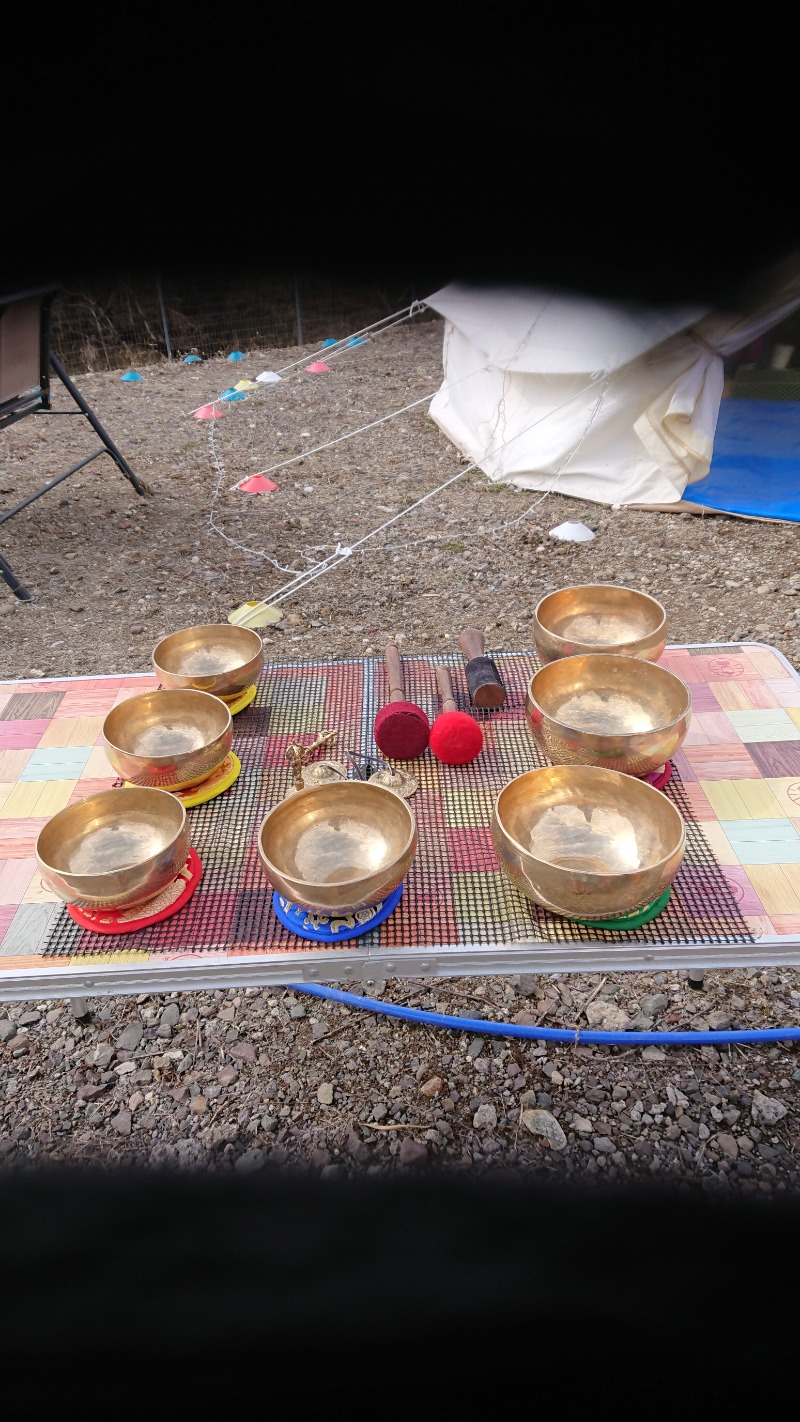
{"x":400,"y":781}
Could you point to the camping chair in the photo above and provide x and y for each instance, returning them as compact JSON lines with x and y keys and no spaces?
{"x":26,"y":362}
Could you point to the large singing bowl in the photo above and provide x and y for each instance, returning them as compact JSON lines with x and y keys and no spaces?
{"x":338,"y":847}
{"x":115,"y":849}
{"x":587,"y":843}
{"x":168,"y":739}
{"x":599,"y":617}
{"x":219,"y":658}
{"x":615,"y":712}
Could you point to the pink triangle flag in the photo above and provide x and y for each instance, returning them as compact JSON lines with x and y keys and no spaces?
{"x":257,"y":484}
{"x":317,"y":367}
{"x":208,"y":412}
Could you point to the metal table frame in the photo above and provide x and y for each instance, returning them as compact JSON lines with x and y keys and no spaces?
{"x":365,"y":966}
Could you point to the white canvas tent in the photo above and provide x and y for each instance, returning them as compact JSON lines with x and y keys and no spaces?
{"x":616,"y":404}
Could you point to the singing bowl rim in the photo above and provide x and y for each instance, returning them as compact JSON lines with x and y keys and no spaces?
{"x":317,"y":790}
{"x":176,"y":806}
{"x":655,"y":633}
{"x":556,"y":720}
{"x":229,"y":628}
{"x":171,"y":759}
{"x":595,"y":874}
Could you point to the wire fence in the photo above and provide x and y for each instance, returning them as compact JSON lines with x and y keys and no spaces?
{"x":131,"y":321}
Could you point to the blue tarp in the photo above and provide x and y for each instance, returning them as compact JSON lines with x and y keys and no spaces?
{"x":755,"y":467}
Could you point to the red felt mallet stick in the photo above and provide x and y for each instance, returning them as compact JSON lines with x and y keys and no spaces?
{"x":402,"y":730}
{"x":456,"y":738}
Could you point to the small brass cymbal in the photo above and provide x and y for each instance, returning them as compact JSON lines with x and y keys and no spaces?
{"x":321,"y":772}
{"x":401,"y":782}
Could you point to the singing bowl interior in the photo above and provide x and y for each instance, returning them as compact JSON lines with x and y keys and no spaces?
{"x":169,"y":737}
{"x":340,"y":845}
{"x":115,"y":847}
{"x":587,"y":842}
{"x":599,"y":617}
{"x":609,"y":707}
{"x":219,"y":658}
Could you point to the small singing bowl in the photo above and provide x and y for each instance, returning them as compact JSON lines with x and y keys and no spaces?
{"x":168,"y":739}
{"x":115,"y":849}
{"x":339,"y":847}
{"x":219,"y":658}
{"x":614,"y":712}
{"x":599,"y":617}
{"x":587,"y":843}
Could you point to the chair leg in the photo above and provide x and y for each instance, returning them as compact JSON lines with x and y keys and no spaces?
{"x":121,"y":463}
{"x":9,"y":576}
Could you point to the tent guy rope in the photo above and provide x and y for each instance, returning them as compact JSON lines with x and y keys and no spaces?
{"x":396,"y":319}
{"x":341,"y":553}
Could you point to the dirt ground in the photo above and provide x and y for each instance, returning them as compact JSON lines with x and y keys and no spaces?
{"x":112,"y":573}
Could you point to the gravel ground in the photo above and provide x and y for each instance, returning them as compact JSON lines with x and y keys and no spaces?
{"x":247,"y":1079}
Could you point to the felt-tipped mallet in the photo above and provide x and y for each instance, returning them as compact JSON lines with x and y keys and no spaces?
{"x":486,"y":690}
{"x":401,"y":730}
{"x":456,"y":738}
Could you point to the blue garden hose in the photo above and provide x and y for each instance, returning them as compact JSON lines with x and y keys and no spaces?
{"x":549,"y":1034}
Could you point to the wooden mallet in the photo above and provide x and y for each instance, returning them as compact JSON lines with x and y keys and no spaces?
{"x":456,"y":738}
{"x":402,"y":730}
{"x":486,"y":690}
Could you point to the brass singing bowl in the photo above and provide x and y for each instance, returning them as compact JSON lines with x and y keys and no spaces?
{"x":614,"y":712}
{"x":168,"y":739}
{"x":219,"y":658}
{"x":115,"y":849}
{"x":599,"y":617}
{"x":587,"y":843}
{"x":338,"y":847}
